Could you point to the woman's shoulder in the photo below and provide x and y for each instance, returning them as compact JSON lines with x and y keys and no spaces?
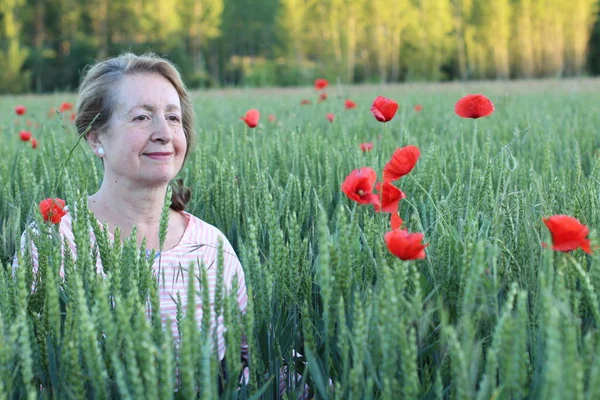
{"x":201,"y":226}
{"x":204,"y":232}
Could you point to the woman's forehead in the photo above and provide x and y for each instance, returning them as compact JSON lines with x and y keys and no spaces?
{"x":148,"y":91}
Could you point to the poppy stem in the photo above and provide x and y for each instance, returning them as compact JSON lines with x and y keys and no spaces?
{"x":254,"y":148}
{"x":441,"y":215}
{"x":83,"y":135}
{"x":381,"y":146}
{"x":245,"y":144}
{"x":379,"y":164}
{"x":471,"y":169}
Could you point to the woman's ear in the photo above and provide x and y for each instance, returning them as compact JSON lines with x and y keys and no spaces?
{"x":93,"y":139}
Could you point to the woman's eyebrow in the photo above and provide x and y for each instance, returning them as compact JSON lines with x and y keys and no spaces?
{"x":146,"y":107}
{"x":151,"y":108}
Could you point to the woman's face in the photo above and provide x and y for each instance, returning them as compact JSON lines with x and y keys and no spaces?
{"x":144,"y":142}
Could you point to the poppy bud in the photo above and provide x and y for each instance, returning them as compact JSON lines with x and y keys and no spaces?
{"x":474,"y":106}
{"x":20,"y":110}
{"x":384,"y":109}
{"x":251,"y":118}
{"x":25,"y":136}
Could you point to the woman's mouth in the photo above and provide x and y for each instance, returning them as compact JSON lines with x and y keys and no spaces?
{"x":161,"y":156}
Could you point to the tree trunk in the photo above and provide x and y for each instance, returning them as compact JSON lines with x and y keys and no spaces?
{"x":460,"y":44}
{"x":395,"y":56}
{"x":335,"y":39}
{"x":39,"y":36}
{"x":351,"y":56}
{"x":381,"y":53}
{"x":195,"y":38}
{"x":103,"y":51}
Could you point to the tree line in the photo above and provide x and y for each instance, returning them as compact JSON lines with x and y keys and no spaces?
{"x":45,"y":44}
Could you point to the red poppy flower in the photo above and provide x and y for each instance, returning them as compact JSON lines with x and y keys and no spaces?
{"x":25,"y":136}
{"x":368,"y":146}
{"x":330,"y":117}
{"x":20,"y":110}
{"x":34,"y":143}
{"x":384,"y":109}
{"x":251,"y":118}
{"x":271,"y":118}
{"x":322,"y":97}
{"x":403,"y":161}
{"x":73,"y":117}
{"x":390,"y":196}
{"x":418,"y":107}
{"x":321,"y":83}
{"x":567,"y":233}
{"x":53,"y":210}
{"x":65,"y":107}
{"x":395,"y":221}
{"x":405,"y":245}
{"x":349,"y":104}
{"x":305,"y":102}
{"x":358,"y":186}
{"x":474,"y":106}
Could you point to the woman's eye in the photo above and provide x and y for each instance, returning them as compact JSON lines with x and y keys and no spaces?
{"x":174,"y":118}
{"x":140,"y":118}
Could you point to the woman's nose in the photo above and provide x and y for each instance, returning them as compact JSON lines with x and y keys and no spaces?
{"x":162,"y":131}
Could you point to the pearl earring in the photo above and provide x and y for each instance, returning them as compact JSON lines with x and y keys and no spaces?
{"x":100,"y":151}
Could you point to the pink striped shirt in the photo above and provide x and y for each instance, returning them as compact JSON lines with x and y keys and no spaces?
{"x":174,"y":264}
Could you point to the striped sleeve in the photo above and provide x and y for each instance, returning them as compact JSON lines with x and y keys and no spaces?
{"x":234,"y":270}
{"x":65,"y":231}
{"x":22,"y":252}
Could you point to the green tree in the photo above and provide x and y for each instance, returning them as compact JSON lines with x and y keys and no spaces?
{"x":430,"y":42}
{"x":344,"y":22}
{"x":389,"y":23}
{"x":521,"y":45}
{"x":478,"y":57}
{"x":12,"y":55}
{"x":461,"y":15}
{"x":548,"y":37}
{"x":248,"y":31}
{"x":355,"y":34}
{"x":291,"y":26}
{"x":582,"y":14}
{"x":200,"y":23}
{"x":496,"y":30}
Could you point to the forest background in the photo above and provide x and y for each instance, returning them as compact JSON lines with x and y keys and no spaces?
{"x":45,"y":44}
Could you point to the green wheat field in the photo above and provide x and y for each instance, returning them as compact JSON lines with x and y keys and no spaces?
{"x":488,"y":314}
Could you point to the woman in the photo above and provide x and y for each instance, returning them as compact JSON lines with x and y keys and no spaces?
{"x":141,"y":123}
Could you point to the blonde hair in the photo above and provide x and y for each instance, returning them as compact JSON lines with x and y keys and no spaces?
{"x":96,"y":100}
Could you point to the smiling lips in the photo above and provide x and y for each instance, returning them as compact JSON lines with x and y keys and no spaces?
{"x":159,"y":155}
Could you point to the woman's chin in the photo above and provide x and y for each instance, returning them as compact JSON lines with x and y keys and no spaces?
{"x":159,"y":179}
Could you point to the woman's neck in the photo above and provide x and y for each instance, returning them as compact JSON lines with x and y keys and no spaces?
{"x":130,"y":207}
